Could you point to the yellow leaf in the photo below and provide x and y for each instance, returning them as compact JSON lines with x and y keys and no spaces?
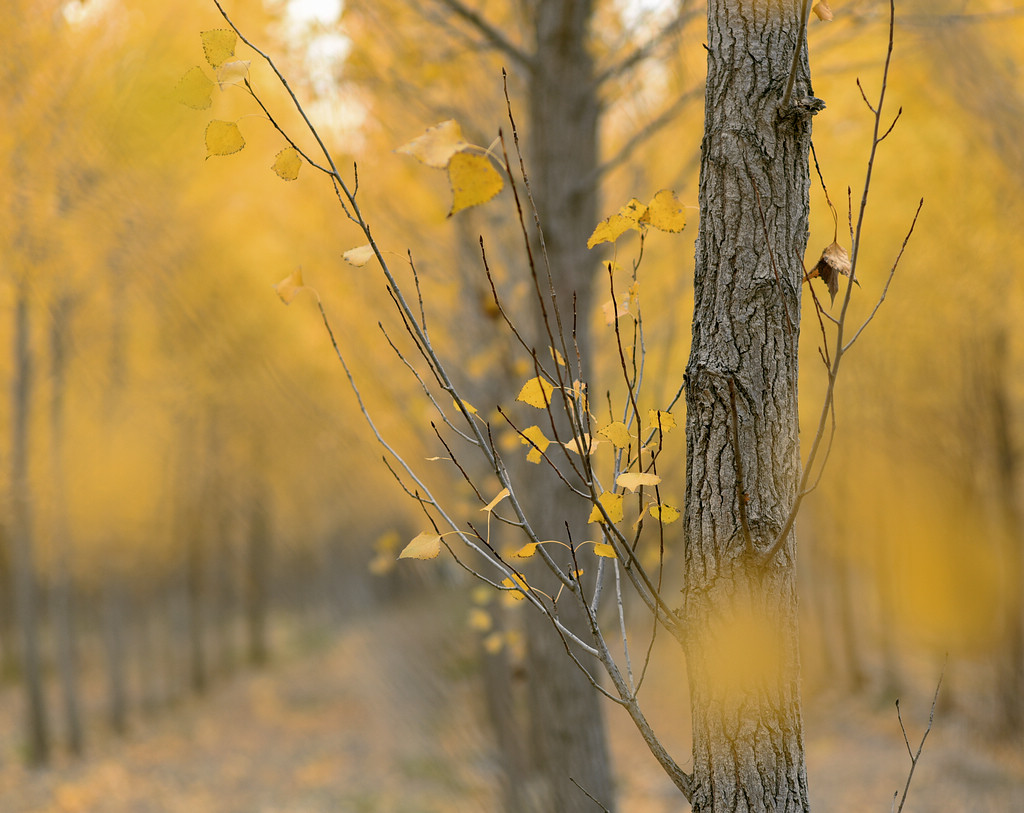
{"x":665,"y":212}
{"x":666,"y":513}
{"x":526,"y":551}
{"x":822,"y":11}
{"x":633,"y":481}
{"x":195,"y":89}
{"x":288,"y":163}
{"x":605,"y":550}
{"x":381,"y":564}
{"x":359,"y":256}
{"x":474,"y":180}
{"x":223,"y":138}
{"x":513,"y":583}
{"x":661,"y":419}
{"x":480,"y":619}
{"x":219,"y":45}
{"x":611,"y":228}
{"x":581,"y":445}
{"x":466,"y":405}
{"x":494,"y":642}
{"x":534,"y":437}
{"x":289,"y":287}
{"x":613,"y":311}
{"x":559,"y":360}
{"x":234,"y":71}
{"x":536,"y":392}
{"x":481,"y":594}
{"x":612,"y":504}
{"x":437,"y":145}
{"x":424,"y":546}
{"x":501,"y":495}
{"x":617,"y":433}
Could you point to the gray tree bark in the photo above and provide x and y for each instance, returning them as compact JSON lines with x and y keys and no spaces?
{"x":567,"y":732}
{"x":26,"y":600}
{"x":742,"y":421}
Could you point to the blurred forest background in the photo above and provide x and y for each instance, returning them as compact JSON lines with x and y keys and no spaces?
{"x":200,"y":607}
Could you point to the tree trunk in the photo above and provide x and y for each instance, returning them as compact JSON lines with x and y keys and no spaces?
{"x":37,"y":740}
{"x":61,"y":596}
{"x":742,"y":422}
{"x":257,"y":582}
{"x":566,"y":720}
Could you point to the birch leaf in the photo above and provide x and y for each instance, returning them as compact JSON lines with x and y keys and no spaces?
{"x":526,"y":551}
{"x":359,"y":256}
{"x":612,"y":504}
{"x":822,"y":11}
{"x":665,"y":513}
{"x":437,"y":145}
{"x":288,"y":163}
{"x":661,"y":419}
{"x":605,"y":550}
{"x":534,"y":437}
{"x":474,"y":180}
{"x":219,"y":45}
{"x":424,"y":546}
{"x":633,"y":481}
{"x":223,"y":138}
{"x":501,"y":495}
{"x":195,"y":89}
{"x":611,"y":228}
{"x":289,"y":287}
{"x":617,"y":433}
{"x":234,"y":71}
{"x":536,"y":392}
{"x":665,"y":212}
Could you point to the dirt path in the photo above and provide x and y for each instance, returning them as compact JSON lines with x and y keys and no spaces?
{"x":385,"y":719}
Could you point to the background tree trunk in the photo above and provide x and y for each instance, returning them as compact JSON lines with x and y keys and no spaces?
{"x":566,"y":718}
{"x":37,"y":740}
{"x":741,"y":619}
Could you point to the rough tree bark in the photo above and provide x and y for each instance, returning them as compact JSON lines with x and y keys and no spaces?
{"x":742,"y":422}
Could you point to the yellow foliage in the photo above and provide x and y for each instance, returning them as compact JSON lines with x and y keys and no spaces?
{"x":617,"y":433}
{"x":437,"y":145}
{"x":223,"y":138}
{"x":289,"y":287}
{"x":195,"y":89}
{"x":612,"y":504}
{"x":424,"y":546}
{"x":287,"y":165}
{"x":633,"y":481}
{"x":474,"y":180}
{"x":536,"y":392}
{"x":534,"y":437}
{"x":219,"y":45}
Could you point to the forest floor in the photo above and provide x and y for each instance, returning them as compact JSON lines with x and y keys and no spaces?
{"x":385,"y":717}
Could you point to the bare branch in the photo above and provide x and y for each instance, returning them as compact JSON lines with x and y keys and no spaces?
{"x":491,"y":34}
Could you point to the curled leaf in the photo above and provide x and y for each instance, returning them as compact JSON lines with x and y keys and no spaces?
{"x":437,"y":145}
{"x":289,"y":287}
{"x":611,"y":228}
{"x":526,"y":551}
{"x":491,"y":505}
{"x":423,"y":546}
{"x":822,"y":11}
{"x":834,"y":261}
{"x":288,"y":163}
